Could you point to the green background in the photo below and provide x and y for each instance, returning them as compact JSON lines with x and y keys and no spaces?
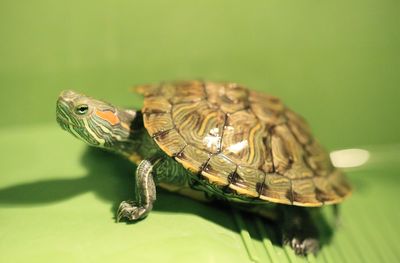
{"x":335,"y":62}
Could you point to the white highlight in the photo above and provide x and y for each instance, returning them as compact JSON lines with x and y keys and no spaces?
{"x":212,"y":139}
{"x":238,"y":147}
{"x":214,"y":131}
{"x":349,"y":157}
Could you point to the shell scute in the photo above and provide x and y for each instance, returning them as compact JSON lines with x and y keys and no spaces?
{"x":272,"y":103}
{"x":288,"y":155}
{"x":304,"y":192}
{"x":318,"y":159}
{"x":171,"y":142}
{"x":339,"y":183}
{"x":158,"y":122}
{"x":267,"y":108}
{"x":184,"y":91}
{"x":156,"y":105}
{"x":199,"y":125}
{"x":229,"y":97}
{"x":218,"y":169}
{"x":299,"y":127}
{"x":241,"y":139}
{"x":246,"y":181}
{"x":324,"y":190}
{"x":192,"y":158}
{"x":276,"y":188}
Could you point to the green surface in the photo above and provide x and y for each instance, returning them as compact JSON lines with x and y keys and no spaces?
{"x":335,"y":62}
{"x":61,"y":201}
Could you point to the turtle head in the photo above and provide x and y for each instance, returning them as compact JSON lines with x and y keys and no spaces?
{"x":96,"y":122}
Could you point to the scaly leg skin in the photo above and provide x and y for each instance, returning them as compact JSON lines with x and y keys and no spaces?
{"x":145,"y":194}
{"x":298,"y":230}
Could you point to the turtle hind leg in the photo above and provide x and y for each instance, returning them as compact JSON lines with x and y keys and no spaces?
{"x":145,"y":194}
{"x":299,"y":231}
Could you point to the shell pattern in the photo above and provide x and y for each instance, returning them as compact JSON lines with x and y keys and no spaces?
{"x":246,"y":140}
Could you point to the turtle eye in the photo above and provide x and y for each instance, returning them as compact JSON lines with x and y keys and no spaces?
{"x":82,"y":109}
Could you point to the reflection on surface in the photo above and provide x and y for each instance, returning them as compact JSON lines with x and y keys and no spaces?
{"x":349,"y":157}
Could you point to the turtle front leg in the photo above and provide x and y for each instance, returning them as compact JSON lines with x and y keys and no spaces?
{"x":145,"y":194}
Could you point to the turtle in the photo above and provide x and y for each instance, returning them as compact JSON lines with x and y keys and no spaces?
{"x":214,"y":141}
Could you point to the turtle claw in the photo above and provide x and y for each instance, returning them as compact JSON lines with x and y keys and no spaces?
{"x":131,"y":211}
{"x":304,"y":247}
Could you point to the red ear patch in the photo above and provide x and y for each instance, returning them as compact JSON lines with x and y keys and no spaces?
{"x":108,"y":116}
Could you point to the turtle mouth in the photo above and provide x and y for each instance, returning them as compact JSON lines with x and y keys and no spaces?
{"x":63,"y":122}
{"x":69,"y":127}
{"x":61,"y":115}
{"x":66,"y":124}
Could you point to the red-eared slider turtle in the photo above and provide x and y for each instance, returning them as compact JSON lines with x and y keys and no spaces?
{"x":209,"y":141}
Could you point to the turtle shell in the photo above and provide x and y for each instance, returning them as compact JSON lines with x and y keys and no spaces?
{"x":243,"y":139}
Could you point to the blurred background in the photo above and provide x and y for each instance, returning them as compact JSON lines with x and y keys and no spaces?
{"x":335,"y":62}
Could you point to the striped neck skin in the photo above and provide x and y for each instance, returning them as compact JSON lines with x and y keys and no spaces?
{"x":96,"y":122}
